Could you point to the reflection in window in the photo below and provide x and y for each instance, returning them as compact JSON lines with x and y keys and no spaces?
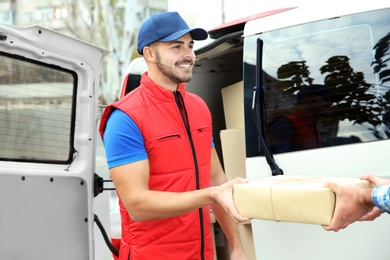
{"x":36,"y":103}
{"x":325,"y":83}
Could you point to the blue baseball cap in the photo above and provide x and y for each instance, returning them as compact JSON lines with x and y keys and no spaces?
{"x":166,"y":27}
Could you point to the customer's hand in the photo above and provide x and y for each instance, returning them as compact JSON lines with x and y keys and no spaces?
{"x":352,"y":204}
{"x":375,"y":180}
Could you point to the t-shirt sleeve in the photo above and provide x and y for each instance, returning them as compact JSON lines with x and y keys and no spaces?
{"x":123,"y":140}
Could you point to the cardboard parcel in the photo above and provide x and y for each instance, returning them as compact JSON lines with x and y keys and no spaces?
{"x":300,"y":199}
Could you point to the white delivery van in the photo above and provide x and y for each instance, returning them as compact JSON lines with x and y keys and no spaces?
{"x":344,"y":49}
{"x":251,"y":75}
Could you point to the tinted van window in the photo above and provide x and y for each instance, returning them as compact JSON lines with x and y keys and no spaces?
{"x":36,"y":111}
{"x":326,"y":83}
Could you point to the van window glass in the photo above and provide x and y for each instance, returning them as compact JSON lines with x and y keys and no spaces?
{"x":326,"y":83}
{"x":36,"y":111}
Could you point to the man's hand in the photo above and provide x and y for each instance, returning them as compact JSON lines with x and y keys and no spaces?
{"x":373,"y":214}
{"x":353,"y":203}
{"x":375,"y":180}
{"x":224,"y":197}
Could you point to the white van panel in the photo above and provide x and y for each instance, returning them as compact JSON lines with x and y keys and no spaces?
{"x":359,"y":241}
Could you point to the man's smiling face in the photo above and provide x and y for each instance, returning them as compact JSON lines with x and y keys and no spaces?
{"x":175,"y":59}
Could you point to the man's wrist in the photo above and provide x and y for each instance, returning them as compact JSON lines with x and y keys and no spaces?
{"x":366,"y":197}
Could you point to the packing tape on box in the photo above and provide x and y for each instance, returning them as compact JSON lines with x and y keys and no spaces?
{"x":289,"y":180}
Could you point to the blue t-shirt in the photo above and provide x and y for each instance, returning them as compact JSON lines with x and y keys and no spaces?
{"x":123,"y":140}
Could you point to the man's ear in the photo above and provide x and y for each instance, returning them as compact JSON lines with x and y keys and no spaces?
{"x":149,"y":53}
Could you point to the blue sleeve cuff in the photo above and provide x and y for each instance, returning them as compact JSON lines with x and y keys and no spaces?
{"x":380,"y":197}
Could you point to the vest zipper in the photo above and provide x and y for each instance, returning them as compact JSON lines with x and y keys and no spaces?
{"x":184,"y":116}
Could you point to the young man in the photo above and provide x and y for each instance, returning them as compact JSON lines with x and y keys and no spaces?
{"x":158,"y":141}
{"x":356,"y":204}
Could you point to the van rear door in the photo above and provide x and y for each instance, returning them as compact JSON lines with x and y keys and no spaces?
{"x":48,"y":117}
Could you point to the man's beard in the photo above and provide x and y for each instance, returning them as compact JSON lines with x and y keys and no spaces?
{"x":167,"y":72}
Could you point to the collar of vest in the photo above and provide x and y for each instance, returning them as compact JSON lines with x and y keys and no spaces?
{"x":158,"y":91}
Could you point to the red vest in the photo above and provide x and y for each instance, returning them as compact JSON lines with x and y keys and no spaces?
{"x":179,"y":160}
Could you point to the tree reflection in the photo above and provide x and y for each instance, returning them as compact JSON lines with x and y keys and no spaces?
{"x":382,"y":58}
{"x":380,"y":65}
{"x":354,"y":99}
{"x":351,"y":99}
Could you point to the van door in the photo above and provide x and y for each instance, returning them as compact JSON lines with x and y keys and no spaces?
{"x":48,"y":117}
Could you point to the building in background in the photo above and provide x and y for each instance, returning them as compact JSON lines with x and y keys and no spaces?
{"x":51,"y":14}
{"x":110,"y":24}
{"x":54,"y":13}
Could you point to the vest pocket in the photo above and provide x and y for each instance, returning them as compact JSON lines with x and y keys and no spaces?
{"x":160,"y":231}
{"x":203,"y":141}
{"x":204,"y":129}
{"x":168,"y":137}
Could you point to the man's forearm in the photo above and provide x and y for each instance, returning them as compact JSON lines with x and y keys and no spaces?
{"x":228,"y":225}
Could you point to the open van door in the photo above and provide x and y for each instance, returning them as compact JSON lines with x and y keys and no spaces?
{"x":48,"y":118}
{"x":336,"y":49}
